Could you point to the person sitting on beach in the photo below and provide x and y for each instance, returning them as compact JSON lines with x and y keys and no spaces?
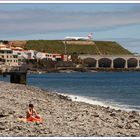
{"x":31,"y":114}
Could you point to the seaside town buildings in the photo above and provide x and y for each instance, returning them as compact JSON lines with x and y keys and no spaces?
{"x":16,"y":56}
{"x":7,"y":56}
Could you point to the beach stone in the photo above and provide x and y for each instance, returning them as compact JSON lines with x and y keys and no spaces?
{"x":136,"y":121}
{"x":96,"y":115}
{"x":2,"y":123}
{"x":132,"y":116}
{"x":119,"y":125}
{"x":133,"y":135}
{"x":2,"y":128}
{"x":133,"y":112}
{"x":128,"y":126}
{"x":61,"y":117}
{"x":122,"y":118}
{"x":135,"y":125}
{"x":119,"y":110}
{"x":113,"y":114}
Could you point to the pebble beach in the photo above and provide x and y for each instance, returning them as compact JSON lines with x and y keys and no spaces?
{"x":62,"y":117}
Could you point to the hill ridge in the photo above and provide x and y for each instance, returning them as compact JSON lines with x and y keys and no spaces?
{"x":80,"y":47}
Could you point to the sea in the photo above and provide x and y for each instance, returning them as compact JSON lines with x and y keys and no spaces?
{"x":119,"y":90}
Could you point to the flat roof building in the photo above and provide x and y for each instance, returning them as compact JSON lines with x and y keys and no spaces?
{"x":7,"y":56}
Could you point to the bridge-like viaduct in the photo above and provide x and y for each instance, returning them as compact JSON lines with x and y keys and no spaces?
{"x":111,"y":61}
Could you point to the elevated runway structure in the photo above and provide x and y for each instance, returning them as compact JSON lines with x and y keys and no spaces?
{"x":112,"y":61}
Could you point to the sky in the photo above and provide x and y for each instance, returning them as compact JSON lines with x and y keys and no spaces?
{"x":115,"y":22}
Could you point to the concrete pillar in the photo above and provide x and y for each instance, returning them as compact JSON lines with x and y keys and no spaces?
{"x":97,"y":63}
{"x":18,"y":77}
{"x":126,"y":64}
{"x":138,"y":64}
{"x":112,"y":64}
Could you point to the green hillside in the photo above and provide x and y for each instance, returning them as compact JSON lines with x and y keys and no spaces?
{"x":84,"y":47}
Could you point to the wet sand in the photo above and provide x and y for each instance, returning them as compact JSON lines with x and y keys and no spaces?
{"x":61,"y":115}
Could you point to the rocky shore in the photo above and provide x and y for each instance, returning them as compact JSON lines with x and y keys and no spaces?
{"x":84,"y":69}
{"x":61,"y":115}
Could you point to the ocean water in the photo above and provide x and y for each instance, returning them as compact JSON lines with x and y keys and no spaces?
{"x":119,"y":90}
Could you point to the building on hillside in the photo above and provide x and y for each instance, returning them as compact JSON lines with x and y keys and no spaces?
{"x":58,"y":57}
{"x":3,"y":45}
{"x":19,"y":51}
{"x":66,"y":57}
{"x":53,"y":57}
{"x":49,"y":56}
{"x":28,"y":54}
{"x":40,"y":55}
{"x":31,"y":54}
{"x":25,"y":54}
{"x":7,"y":56}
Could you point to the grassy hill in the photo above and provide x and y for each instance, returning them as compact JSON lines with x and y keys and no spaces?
{"x":80,"y":47}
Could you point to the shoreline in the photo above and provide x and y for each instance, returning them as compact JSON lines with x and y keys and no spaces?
{"x":61,"y":115}
{"x":84,"y":99}
{"x":84,"y":69}
{"x":93,"y":101}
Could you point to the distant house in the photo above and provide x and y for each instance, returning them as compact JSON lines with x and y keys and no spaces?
{"x":53,"y":56}
{"x":3,"y":45}
{"x":31,"y":54}
{"x":56,"y":57}
{"x":48,"y":56}
{"x":40,"y":55}
{"x":24,"y":54}
{"x":7,"y":56}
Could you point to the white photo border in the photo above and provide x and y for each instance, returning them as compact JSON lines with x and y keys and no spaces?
{"x":68,"y":2}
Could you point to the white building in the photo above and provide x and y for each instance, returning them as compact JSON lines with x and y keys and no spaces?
{"x":25,"y":54}
{"x":40,"y":55}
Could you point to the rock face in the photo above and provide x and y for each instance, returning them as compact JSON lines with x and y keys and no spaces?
{"x":62,"y":117}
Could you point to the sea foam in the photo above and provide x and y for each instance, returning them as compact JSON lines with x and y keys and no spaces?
{"x":95,"y":101}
